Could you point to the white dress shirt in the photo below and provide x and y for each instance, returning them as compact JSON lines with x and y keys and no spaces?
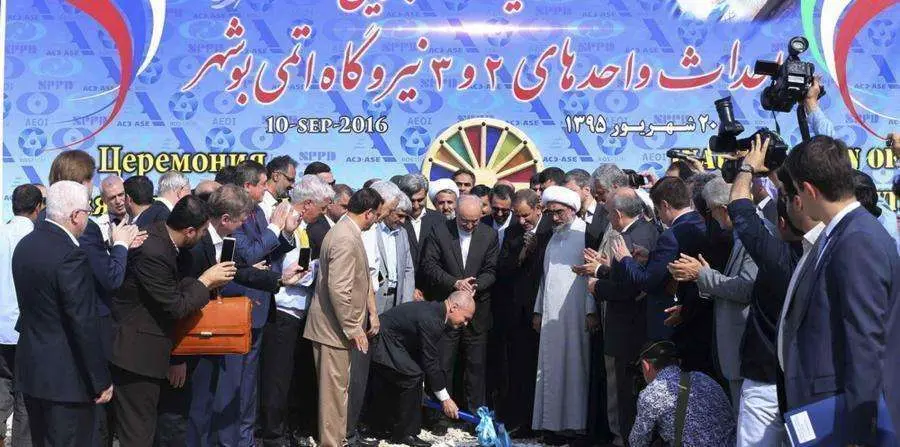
{"x":536,"y":225}
{"x":217,"y":242}
{"x":370,"y":242}
{"x":465,"y":239}
{"x":104,"y":221}
{"x":809,"y":240}
{"x":826,"y":233}
{"x":330,"y":222}
{"x":10,"y":234}
{"x":294,"y":300}
{"x":268,"y":204}
{"x":389,"y":242}
{"x":589,"y":212}
{"x":417,"y":224}
{"x":501,"y":229}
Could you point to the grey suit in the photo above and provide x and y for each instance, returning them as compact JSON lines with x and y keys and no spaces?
{"x":406,"y":275}
{"x":731,"y":294}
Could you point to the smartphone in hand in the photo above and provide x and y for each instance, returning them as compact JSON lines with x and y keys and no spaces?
{"x":228,"y":244}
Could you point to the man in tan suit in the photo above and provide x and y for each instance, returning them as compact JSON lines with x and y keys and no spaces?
{"x":336,"y":317}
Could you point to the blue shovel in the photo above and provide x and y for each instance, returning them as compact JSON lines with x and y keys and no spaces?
{"x":490,"y":433}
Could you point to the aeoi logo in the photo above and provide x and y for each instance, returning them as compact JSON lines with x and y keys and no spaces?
{"x":152,"y":73}
{"x":611,"y":145}
{"x":183,"y":105}
{"x":883,"y":32}
{"x":499,"y":37}
{"x":6,"y":104}
{"x":415,"y":140}
{"x":22,"y":31}
{"x":37,"y":103}
{"x":574,"y":103}
{"x":32,"y":141}
{"x":692,"y":32}
{"x":378,"y":109}
{"x":220,"y":139}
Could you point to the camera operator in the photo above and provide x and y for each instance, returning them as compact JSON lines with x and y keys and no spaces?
{"x":818,"y":122}
{"x":759,"y":419}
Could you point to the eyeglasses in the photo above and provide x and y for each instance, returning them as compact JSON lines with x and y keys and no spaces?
{"x":555,"y":213}
{"x":290,"y":179}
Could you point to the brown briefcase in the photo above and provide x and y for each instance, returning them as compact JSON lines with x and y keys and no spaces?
{"x":221,"y":327}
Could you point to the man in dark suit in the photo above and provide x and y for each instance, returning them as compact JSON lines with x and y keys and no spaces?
{"x":840,"y":325}
{"x":592,"y":211}
{"x":172,"y":187}
{"x":501,"y":220}
{"x":420,"y":222}
{"x":408,"y":349}
{"x":692,"y":316}
{"x":257,"y":240}
{"x":333,"y":212}
{"x":139,"y":199}
{"x":462,"y":255}
{"x":59,"y":369}
{"x":626,"y":317}
{"x":107,"y":260}
{"x":152,"y":298}
{"x":229,"y":206}
{"x":521,"y":262}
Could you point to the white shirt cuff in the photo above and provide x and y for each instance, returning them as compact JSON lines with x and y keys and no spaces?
{"x":122,"y":244}
{"x":442,"y":395}
{"x":274,"y":229}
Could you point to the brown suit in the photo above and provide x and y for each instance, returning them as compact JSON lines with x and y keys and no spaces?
{"x":336,"y":314}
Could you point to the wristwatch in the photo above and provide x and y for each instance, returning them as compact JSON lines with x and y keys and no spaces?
{"x":747,"y":168}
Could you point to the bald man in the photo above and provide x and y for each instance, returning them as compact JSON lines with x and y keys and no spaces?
{"x":461,"y":255}
{"x":407,"y":350}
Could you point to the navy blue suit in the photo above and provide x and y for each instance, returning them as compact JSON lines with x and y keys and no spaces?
{"x":254,"y":243}
{"x":213,"y":393}
{"x":58,"y":366}
{"x":841,"y":333}
{"x":108,"y":266}
{"x":693,"y":336}
{"x":158,"y":212}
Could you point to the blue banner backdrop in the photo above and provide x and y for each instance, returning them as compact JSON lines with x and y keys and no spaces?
{"x":640,"y":75}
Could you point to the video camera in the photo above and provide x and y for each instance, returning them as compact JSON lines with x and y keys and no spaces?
{"x":635,"y":180}
{"x":727,"y":142}
{"x":790,"y":81}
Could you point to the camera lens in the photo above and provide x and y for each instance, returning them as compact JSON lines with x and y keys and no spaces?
{"x":798,"y":45}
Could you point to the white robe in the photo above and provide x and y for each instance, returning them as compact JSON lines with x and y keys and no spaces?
{"x":561,"y":391}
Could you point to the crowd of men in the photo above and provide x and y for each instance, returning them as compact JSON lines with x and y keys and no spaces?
{"x":603,"y":308}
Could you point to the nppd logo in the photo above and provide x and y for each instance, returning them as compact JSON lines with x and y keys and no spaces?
{"x":32,"y":141}
{"x":415,"y":140}
{"x":220,"y":139}
{"x":183,"y":105}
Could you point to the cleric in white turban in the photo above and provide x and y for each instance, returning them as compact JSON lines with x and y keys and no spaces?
{"x":563,"y":195}
{"x":564,"y":312}
{"x":443,"y":194}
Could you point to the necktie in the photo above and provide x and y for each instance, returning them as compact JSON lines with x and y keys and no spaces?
{"x":302,"y":237}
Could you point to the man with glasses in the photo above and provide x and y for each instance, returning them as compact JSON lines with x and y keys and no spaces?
{"x":462,"y":255}
{"x":281,"y":171}
{"x":61,"y":373}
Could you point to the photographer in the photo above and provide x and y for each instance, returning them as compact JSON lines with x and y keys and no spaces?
{"x":759,"y":419}
{"x":818,"y":122}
